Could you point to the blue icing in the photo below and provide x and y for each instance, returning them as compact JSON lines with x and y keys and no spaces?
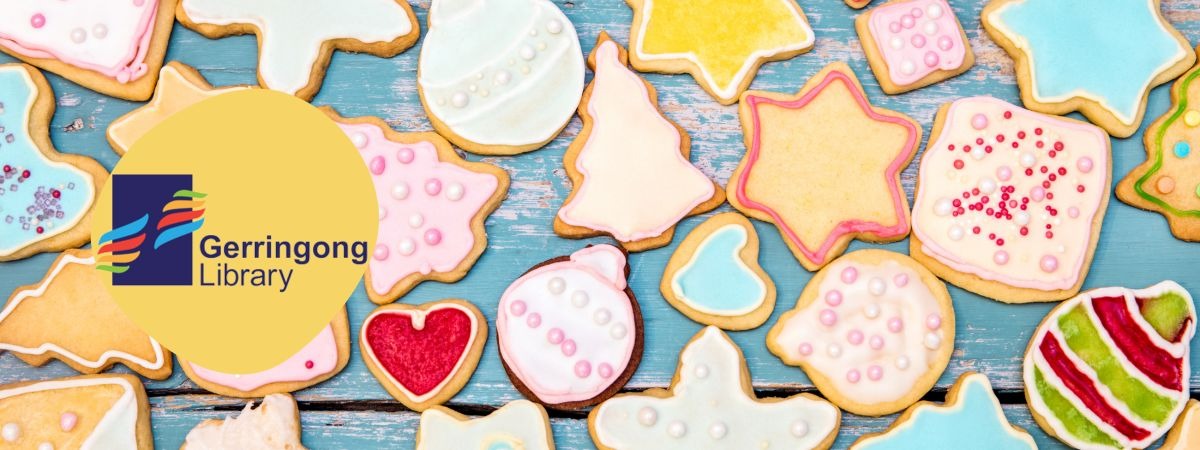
{"x":974,"y":422}
{"x":1111,"y":49}
{"x":716,"y":281}
{"x":1182,"y":149}
{"x":503,"y":444}
{"x":29,"y":203}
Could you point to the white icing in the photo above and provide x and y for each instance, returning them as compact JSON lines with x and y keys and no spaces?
{"x":118,"y":427}
{"x":530,"y":98}
{"x":292,"y":34}
{"x":273,"y":425}
{"x":105,"y":358}
{"x":521,"y":423}
{"x":712,"y":411}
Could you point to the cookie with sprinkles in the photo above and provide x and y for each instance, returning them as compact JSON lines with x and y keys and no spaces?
{"x":911,"y":44}
{"x":873,"y":330}
{"x":1168,"y":182}
{"x":1110,"y":368}
{"x":1009,"y":202}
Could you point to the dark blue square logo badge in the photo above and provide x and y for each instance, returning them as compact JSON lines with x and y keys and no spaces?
{"x":153,"y":218}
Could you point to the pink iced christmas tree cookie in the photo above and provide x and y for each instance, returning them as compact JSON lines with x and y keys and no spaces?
{"x":913,"y":43}
{"x":432,"y":205}
{"x":1009,"y":202}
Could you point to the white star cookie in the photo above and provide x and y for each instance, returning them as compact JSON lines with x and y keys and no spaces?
{"x":521,"y":424}
{"x":711,"y":405}
{"x":297,"y":39}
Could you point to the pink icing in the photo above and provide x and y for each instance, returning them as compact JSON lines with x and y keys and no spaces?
{"x":1045,"y":206}
{"x":907,"y":49}
{"x":422,"y":225}
{"x":317,"y":358}
{"x":850,"y":226}
{"x":587,"y":343}
{"x":45,"y":30}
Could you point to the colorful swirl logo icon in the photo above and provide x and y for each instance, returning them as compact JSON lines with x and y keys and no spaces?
{"x":181,"y":217}
{"x":120,"y":247}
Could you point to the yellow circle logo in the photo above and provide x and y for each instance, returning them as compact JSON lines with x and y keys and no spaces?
{"x":235,"y":231}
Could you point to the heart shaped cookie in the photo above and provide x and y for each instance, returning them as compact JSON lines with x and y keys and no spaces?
{"x":424,"y":354}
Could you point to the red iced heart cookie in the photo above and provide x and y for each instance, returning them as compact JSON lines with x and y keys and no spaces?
{"x":424,"y":354}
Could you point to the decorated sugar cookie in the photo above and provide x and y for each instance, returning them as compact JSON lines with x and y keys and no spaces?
{"x":1068,"y":57}
{"x":711,"y":404}
{"x":1009,"y":202}
{"x":499,"y":77}
{"x":911,"y":44}
{"x":425,"y":354}
{"x":970,"y":418}
{"x":1169,"y":181}
{"x":114,"y":48}
{"x":297,"y":40}
{"x":179,"y":86}
{"x":570,"y":330}
{"x":520,"y":424}
{"x":319,"y":360}
{"x":1186,"y":432}
{"x":873,"y":330}
{"x":824,"y":181}
{"x":432,"y":205}
{"x":88,"y":412}
{"x":722,"y":51}
{"x":1110,"y":367}
{"x":274,"y":425}
{"x":629,"y":166}
{"x":714,"y":277}
{"x":46,"y":197}
{"x":34,"y":327}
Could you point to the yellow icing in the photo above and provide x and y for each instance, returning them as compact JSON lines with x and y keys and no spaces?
{"x":723,"y":44}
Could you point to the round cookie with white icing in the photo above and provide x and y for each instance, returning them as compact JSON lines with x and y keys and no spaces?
{"x":499,"y":77}
{"x":714,"y":278}
{"x":112,"y":47}
{"x":873,"y":330}
{"x":1009,"y":202}
{"x":570,"y":329}
{"x":296,"y":40}
{"x":319,"y":360}
{"x":629,"y":168}
{"x":711,"y":405}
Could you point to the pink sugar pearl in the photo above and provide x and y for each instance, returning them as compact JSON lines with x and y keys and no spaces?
{"x":918,"y":40}
{"x":604,"y":370}
{"x":405,"y":155}
{"x":1084,"y":164}
{"x":381,"y":252}
{"x":38,"y":20}
{"x":377,"y":165}
{"x":833,"y":298}
{"x":900,"y":280}
{"x":931,"y":59}
{"x":895,"y":325}
{"x":828,"y":317}
{"x":849,"y":275}
{"x":876,"y":342}
{"x":805,"y":349}
{"x":555,"y":336}
{"x":517,"y":308}
{"x":944,"y":43}
{"x":1049,"y":263}
{"x":1004,"y":173}
{"x":568,"y":347}
{"x":433,"y":187}
{"x":855,"y":337}
{"x":534,"y":320}
{"x":933,"y":322}
{"x":874,"y":373}
{"x":433,"y":236}
{"x":853,"y":376}
{"x":583,"y":369}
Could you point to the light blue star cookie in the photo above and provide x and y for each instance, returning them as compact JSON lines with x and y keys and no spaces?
{"x":1098,"y":57}
{"x":971,"y":418}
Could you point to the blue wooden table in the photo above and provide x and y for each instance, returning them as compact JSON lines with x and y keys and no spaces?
{"x":353,"y":411}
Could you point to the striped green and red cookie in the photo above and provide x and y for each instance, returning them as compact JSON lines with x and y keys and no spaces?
{"x":1109,"y":368}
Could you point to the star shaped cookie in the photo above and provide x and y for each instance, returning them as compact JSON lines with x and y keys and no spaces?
{"x":711,"y":404}
{"x":721,"y":51}
{"x":1100,"y":60}
{"x":824,"y":166}
{"x":1168,"y":182}
{"x":179,"y":86}
{"x":971,"y":415}
{"x":296,"y":39}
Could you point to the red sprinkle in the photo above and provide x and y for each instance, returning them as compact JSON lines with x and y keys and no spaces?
{"x":1037,"y":131}
{"x":1020,"y":135}
{"x":958,"y":164}
{"x":308,"y":364}
{"x":1024,"y":231}
{"x":979,"y":141}
{"x":1079,"y":188}
{"x":1000,"y":242}
{"x":1029,"y":172}
{"x":56,"y":194}
{"x":40,"y":230}
{"x":1058,"y":146}
{"x":1008,"y":114}
{"x":950,"y":147}
{"x":975,"y":230}
{"x":1049,"y":235}
{"x":999,"y":138}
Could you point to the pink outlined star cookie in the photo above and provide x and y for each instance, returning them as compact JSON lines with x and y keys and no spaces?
{"x":808,"y":166}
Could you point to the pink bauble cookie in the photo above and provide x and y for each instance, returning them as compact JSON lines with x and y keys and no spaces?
{"x":569,"y":330}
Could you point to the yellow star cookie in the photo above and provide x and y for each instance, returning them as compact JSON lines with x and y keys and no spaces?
{"x":179,"y":87}
{"x":721,"y":43}
{"x":824,"y":166}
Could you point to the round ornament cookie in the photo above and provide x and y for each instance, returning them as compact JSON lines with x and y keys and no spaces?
{"x":873,"y":330}
{"x":570,"y":330}
{"x":714,"y":278}
{"x":1009,"y":202}
{"x":1110,"y":368}
{"x":499,"y":77}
